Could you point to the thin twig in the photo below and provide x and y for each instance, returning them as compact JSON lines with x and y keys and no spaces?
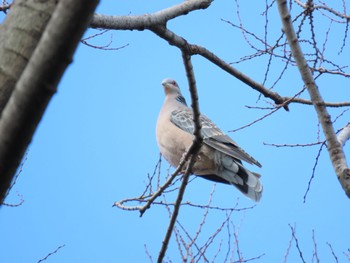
{"x":277,"y":107}
{"x":297,"y":244}
{"x":288,"y":249}
{"x":21,"y":201}
{"x":163,"y":187}
{"x":332,"y":251}
{"x":121,"y":204}
{"x":51,"y":253}
{"x":324,"y":7}
{"x":215,"y":234}
{"x":18,"y":173}
{"x":315,"y":253}
{"x":313,"y":171}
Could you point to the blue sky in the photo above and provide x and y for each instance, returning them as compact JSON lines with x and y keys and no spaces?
{"x":96,"y":144}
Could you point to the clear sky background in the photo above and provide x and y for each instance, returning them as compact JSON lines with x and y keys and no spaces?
{"x":96,"y":144}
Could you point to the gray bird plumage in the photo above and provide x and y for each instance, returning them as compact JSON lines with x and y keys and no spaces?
{"x":212,"y":135}
{"x":219,"y":159}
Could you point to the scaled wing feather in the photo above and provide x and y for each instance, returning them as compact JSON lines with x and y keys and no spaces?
{"x":212,"y":135}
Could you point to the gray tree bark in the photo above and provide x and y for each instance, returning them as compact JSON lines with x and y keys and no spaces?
{"x":334,"y":147}
{"x":19,"y":35}
{"x":38,"y":82}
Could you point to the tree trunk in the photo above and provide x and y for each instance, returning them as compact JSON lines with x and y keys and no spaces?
{"x":38,"y":83}
{"x":19,"y":35}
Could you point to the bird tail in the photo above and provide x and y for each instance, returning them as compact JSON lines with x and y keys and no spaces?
{"x":246,"y":181}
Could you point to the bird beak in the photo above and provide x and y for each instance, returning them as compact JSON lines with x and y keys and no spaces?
{"x":166,"y":86}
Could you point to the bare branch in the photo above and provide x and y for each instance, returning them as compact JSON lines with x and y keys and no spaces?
{"x":327,"y":104}
{"x":157,"y":25}
{"x":162,"y":188}
{"x":297,"y":241}
{"x":315,"y":253}
{"x":324,"y":7}
{"x":148,"y":254}
{"x":192,"y":241}
{"x":104,"y":47}
{"x":288,"y":249}
{"x":181,"y":43}
{"x":200,"y":227}
{"x":293,"y":145}
{"x":257,"y":120}
{"x":51,"y":253}
{"x":21,"y":201}
{"x":143,"y":22}
{"x":277,"y":107}
{"x":332,"y":251}
{"x":121,"y":204}
{"x":214,"y":235}
{"x":193,"y":150}
{"x":239,"y":75}
{"x":313,"y":170}
{"x":19,"y":171}
{"x":335,"y":150}
{"x":344,"y":135}
{"x":156,"y":22}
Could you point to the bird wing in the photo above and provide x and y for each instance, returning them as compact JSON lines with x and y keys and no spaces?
{"x":212,"y":135}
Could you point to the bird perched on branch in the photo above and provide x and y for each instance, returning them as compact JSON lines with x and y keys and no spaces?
{"x":219,"y":159}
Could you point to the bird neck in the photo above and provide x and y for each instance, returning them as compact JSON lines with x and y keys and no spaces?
{"x":181,"y":99}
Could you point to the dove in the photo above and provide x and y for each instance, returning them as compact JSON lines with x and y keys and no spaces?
{"x":219,"y":158}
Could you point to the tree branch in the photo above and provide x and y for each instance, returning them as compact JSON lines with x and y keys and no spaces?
{"x":142,"y":22}
{"x":38,"y":83}
{"x":177,"y":205}
{"x":327,"y":104}
{"x":193,"y":150}
{"x":335,"y":150}
{"x":324,"y":7}
{"x":156,"y":23}
{"x":344,"y":135}
{"x":164,"y":186}
{"x":181,"y":43}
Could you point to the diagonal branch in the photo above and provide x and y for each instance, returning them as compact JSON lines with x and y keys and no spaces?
{"x":344,"y":135}
{"x":335,"y":149}
{"x":161,"y":189}
{"x":156,"y":23}
{"x":181,"y":43}
{"x":193,"y":150}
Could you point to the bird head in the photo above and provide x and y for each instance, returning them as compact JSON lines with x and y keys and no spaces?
{"x":170,"y":87}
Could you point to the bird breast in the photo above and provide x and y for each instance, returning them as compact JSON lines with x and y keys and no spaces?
{"x":173,"y":143}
